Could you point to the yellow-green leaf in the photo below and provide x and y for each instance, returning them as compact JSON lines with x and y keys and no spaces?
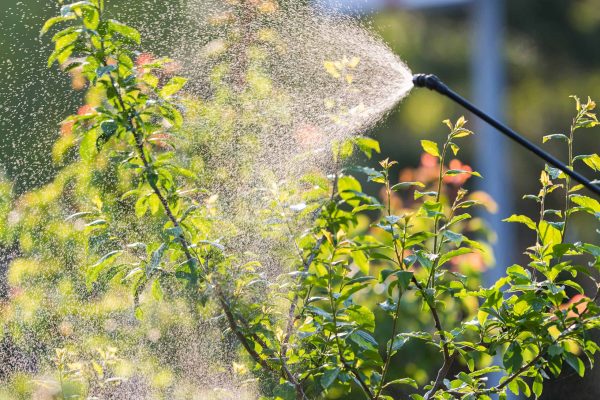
{"x":522,"y":219}
{"x":586,"y":202}
{"x":172,"y":87}
{"x":124,"y":30}
{"x":549,"y":234}
{"x":430,"y":147}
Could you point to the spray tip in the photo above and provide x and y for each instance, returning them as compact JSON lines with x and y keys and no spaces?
{"x":430,"y":82}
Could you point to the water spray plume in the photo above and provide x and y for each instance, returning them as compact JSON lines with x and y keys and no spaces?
{"x":313,"y":78}
{"x":432,"y":82}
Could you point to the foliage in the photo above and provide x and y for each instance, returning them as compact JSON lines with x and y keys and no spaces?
{"x":127,"y":213}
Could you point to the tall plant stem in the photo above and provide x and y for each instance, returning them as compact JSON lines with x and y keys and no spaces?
{"x":448,"y":358}
{"x":437,"y":245}
{"x":568,"y":180}
{"x":436,"y":221}
{"x":399,"y":257}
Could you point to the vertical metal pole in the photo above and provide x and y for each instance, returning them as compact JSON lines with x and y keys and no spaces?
{"x":492,"y":154}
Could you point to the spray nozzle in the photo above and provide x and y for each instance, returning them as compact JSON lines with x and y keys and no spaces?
{"x":430,"y":82}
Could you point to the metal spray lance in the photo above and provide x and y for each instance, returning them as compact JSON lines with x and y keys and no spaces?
{"x":432,"y":82}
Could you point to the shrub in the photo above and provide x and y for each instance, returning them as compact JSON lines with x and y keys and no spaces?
{"x":371,"y":280}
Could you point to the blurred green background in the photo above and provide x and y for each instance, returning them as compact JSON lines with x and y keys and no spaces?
{"x":550,"y":51}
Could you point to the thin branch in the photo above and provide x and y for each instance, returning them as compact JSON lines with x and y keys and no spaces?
{"x":240,"y":336}
{"x":399,"y":255}
{"x":448,"y":358}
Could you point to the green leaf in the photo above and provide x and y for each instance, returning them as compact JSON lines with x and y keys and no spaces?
{"x":172,"y":87}
{"x":95,"y":270}
{"x":519,"y":275}
{"x":418,"y":194}
{"x":154,"y":204}
{"x":171,"y":114}
{"x":404,"y":278}
{"x":432,"y":209}
{"x":365,"y":207}
{"x":319,"y":311}
{"x":468,"y":204}
{"x":104,"y":70}
{"x":513,"y":357}
{"x":403,"y":381}
{"x":77,"y":215}
{"x":404,"y":185}
{"x":97,"y":222}
{"x":591,"y":160}
{"x":538,"y":385}
{"x":361,"y":261}
{"x":549,"y":234}
{"x":348,"y":186}
{"x":60,"y":55}
{"x":329,"y":376}
{"x":398,"y":342}
{"x":485,"y":371}
{"x":455,"y":148}
{"x":574,"y":285}
{"x":555,"y":350}
{"x":141,"y":206}
{"x":175,"y":232}
{"x":453,"y":253}
{"x":87,"y":147}
{"x":364,"y":340}
{"x":91,"y":18}
{"x":108,"y":129}
{"x":124,"y":30}
{"x":523,"y":387}
{"x":53,"y":21}
{"x":383,"y":275}
{"x":575,"y":363}
{"x":586,"y":202}
{"x":367,"y":145}
{"x":156,"y":290}
{"x":362,"y":316}
{"x":461,"y":132}
{"x":452,"y":172}
{"x":453,"y":237}
{"x":556,"y":136}
{"x":430,"y":147}
{"x":155,"y":259}
{"x":522,"y":219}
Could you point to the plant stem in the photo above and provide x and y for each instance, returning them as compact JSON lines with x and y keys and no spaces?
{"x":396,"y":314}
{"x":431,"y":279}
{"x":236,"y":330}
{"x":448,"y":358}
{"x":568,"y":179}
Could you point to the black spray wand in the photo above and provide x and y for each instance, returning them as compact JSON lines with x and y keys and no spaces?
{"x":432,"y":82}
